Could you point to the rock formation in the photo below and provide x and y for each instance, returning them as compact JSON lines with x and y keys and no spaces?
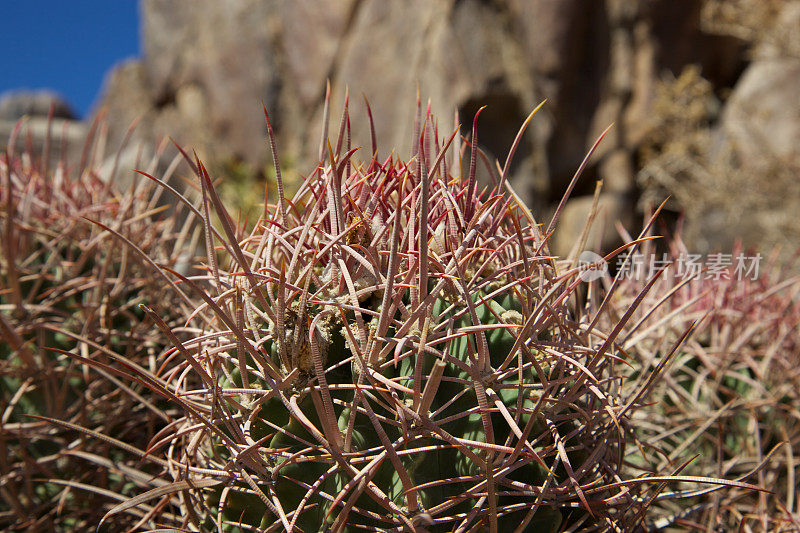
{"x":208,"y":66}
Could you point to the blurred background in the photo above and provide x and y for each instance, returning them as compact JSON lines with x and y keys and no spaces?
{"x":704,"y":95}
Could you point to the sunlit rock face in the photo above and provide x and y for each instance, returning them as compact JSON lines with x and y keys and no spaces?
{"x":209,"y":65}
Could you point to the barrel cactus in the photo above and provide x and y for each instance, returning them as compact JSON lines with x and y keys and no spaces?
{"x":391,"y":349}
{"x":69,"y":308}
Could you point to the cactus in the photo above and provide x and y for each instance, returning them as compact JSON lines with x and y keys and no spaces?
{"x":737,"y":377}
{"x":392,"y":349}
{"x":69,"y":308}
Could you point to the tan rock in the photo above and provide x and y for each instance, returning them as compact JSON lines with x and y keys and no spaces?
{"x":612,"y":207}
{"x":616,"y":171}
{"x":762,"y":117}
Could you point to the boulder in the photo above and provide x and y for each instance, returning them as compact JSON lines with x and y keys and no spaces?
{"x":32,"y":109}
{"x":16,"y":104}
{"x":761,"y":120}
{"x":602,"y":237}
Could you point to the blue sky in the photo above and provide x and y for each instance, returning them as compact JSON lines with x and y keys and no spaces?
{"x":65,"y":45}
